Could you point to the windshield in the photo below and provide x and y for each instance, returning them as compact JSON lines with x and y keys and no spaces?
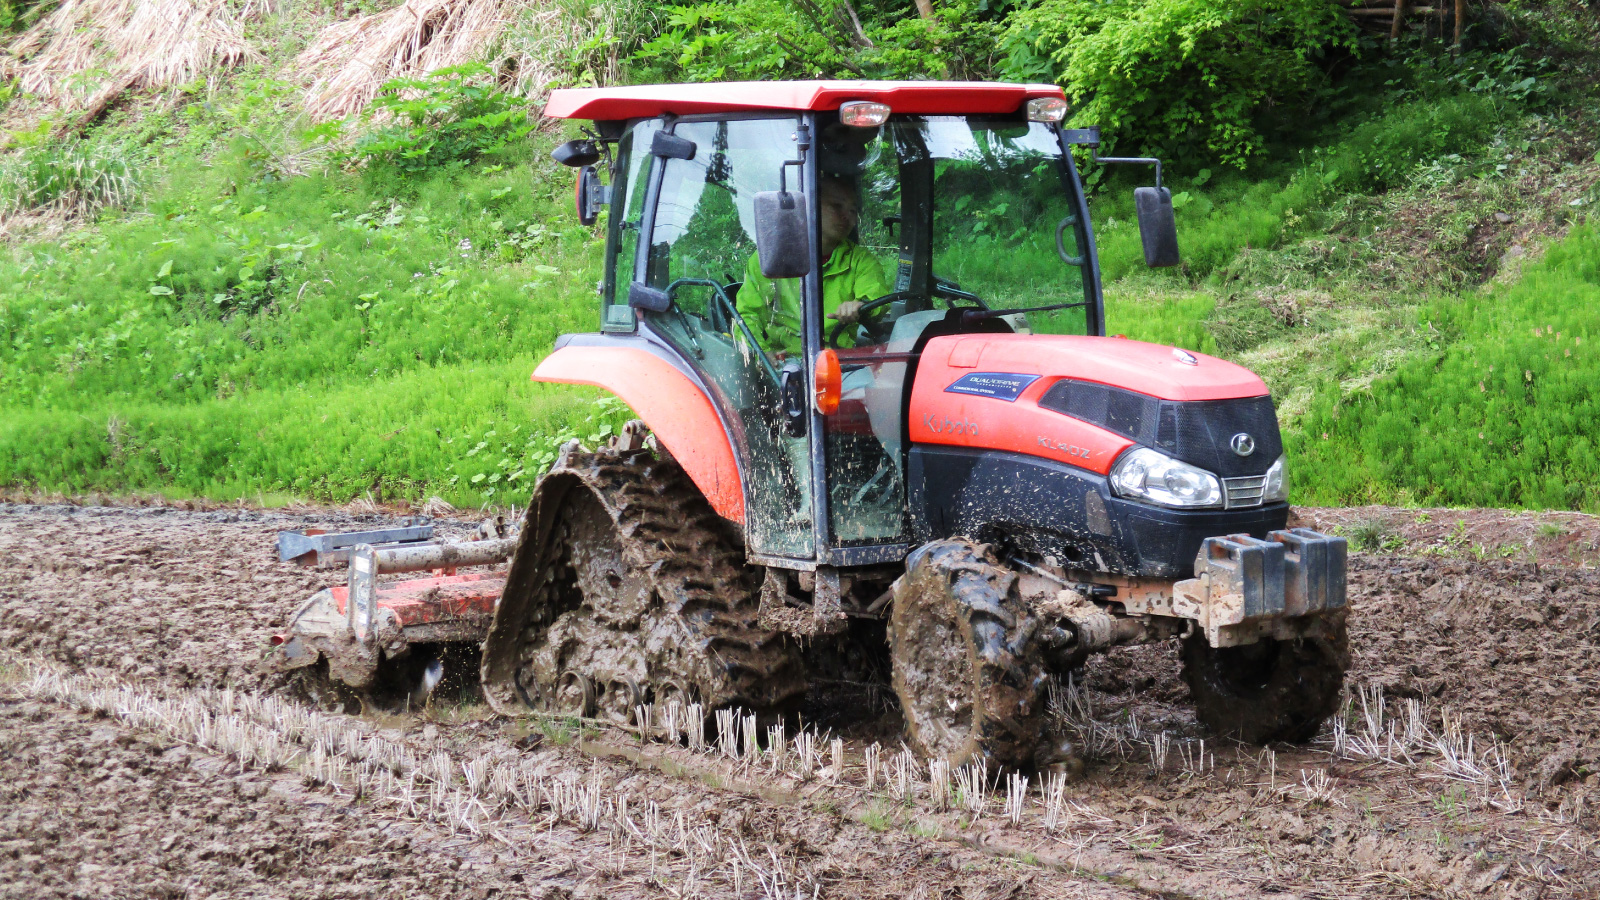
{"x":966,"y":211}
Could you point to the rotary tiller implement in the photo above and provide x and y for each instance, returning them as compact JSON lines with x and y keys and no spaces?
{"x":364,"y":627}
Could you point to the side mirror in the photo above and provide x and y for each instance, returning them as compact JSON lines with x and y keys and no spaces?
{"x":577,"y":153}
{"x":591,"y":196}
{"x":783,"y":234}
{"x":1157,"y":227}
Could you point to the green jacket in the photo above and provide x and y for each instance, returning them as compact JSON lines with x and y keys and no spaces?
{"x":772,"y":310}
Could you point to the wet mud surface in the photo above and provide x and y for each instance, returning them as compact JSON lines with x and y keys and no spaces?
{"x":1456,"y":644}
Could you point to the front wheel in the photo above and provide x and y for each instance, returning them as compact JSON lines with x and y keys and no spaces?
{"x":1272,"y":690}
{"x":960,"y":642}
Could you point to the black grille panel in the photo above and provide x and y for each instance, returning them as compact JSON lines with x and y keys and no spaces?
{"x":1199,"y":432}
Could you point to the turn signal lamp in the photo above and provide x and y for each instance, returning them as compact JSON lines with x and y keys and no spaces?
{"x":1047,"y":109}
{"x":864,"y":113}
{"x":827,"y":382}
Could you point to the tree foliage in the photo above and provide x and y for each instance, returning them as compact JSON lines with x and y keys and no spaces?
{"x":1186,"y":78}
{"x":757,"y":39}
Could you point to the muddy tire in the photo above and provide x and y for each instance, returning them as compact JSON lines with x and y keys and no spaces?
{"x":1268,"y":691}
{"x":960,"y":640}
{"x":627,"y":589}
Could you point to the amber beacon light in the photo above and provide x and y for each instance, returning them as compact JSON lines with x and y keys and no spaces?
{"x":827,"y":382}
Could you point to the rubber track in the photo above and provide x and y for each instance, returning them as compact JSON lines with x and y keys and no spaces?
{"x":694,"y":560}
{"x":964,"y":584}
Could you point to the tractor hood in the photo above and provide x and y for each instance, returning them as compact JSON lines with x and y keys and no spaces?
{"x":1152,"y":369}
{"x":1083,"y":400}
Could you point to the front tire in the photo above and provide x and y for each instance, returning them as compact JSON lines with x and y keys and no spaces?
{"x":960,"y":643}
{"x":1272,"y":690}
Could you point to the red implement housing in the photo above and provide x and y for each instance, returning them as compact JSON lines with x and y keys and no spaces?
{"x":387,"y":618}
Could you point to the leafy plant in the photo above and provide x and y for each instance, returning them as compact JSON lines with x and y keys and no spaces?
{"x":453,"y":115}
{"x":1183,"y":78}
{"x":75,"y":178}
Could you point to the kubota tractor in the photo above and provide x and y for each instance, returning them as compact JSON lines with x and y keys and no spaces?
{"x":969,"y":460}
{"x":958,"y":477}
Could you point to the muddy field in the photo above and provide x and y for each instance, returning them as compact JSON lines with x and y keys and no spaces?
{"x":145,"y":751}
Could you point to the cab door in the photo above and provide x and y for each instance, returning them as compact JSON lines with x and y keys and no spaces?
{"x":700,"y":240}
{"x":862,"y":445}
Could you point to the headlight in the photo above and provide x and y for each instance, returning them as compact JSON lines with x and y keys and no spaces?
{"x":1144,"y":474}
{"x":1277,"y":486}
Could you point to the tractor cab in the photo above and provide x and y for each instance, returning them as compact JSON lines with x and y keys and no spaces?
{"x":969,"y":222}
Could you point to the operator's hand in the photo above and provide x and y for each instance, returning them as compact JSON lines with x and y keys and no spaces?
{"x":848,"y":312}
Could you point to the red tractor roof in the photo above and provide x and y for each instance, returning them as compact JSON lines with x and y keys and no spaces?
{"x":924,"y":97}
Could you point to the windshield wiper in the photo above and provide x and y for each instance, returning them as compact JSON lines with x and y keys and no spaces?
{"x":974,"y":315}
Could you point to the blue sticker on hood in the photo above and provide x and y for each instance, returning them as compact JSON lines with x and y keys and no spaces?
{"x":999,"y":385}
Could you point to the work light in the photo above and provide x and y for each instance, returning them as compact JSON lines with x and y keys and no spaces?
{"x":1047,"y":109}
{"x":863,"y":113}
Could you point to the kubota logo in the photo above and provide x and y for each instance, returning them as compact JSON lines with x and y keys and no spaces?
{"x":1243,"y":444}
{"x":945,"y":425}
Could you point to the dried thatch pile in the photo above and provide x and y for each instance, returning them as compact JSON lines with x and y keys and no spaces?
{"x":350,"y":60}
{"x":87,"y":52}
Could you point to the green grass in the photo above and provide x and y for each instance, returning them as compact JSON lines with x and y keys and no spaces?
{"x":1502,"y":415}
{"x":1220,"y":216}
{"x":329,"y":336}
{"x":74,"y":178}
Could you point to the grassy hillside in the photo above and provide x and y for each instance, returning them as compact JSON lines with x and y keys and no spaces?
{"x":1502,"y":415}
{"x":330,"y":335}
{"x":205,"y":292}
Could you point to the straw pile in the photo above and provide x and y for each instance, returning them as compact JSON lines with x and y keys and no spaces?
{"x":87,"y":52}
{"x":350,"y":60}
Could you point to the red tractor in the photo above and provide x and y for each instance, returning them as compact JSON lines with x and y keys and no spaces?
{"x":884,"y":436}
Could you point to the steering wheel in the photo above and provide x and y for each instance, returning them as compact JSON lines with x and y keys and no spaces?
{"x":838,"y":327}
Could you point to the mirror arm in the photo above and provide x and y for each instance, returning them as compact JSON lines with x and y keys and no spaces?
{"x":802,"y":142}
{"x":1135,"y":160}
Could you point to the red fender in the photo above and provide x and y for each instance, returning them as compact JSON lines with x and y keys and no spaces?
{"x":675,"y":408}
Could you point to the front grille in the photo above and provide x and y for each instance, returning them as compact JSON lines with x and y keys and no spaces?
{"x":1199,"y":432}
{"x":1244,"y":491}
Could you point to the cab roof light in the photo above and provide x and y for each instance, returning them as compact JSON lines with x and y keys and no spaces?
{"x":863,"y":113}
{"x":1047,"y":109}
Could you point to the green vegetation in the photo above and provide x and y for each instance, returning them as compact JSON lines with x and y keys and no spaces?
{"x":74,"y":178}
{"x":1500,"y":416}
{"x":224,"y":301}
{"x":451,"y":117}
{"x":1179,"y":76}
{"x":328,"y":336}
{"x":881,"y":814}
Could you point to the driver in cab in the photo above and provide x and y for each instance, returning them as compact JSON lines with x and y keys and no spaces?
{"x":850,"y":277}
